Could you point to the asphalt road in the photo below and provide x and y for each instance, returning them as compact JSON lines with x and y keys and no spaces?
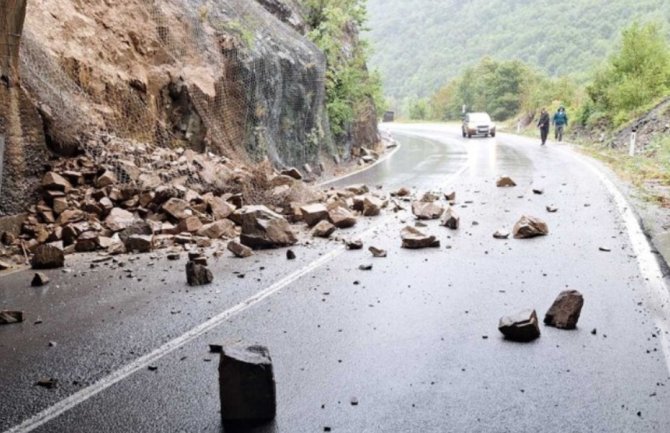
{"x":414,"y":340}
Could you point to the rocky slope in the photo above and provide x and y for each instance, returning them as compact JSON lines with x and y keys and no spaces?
{"x":236,"y":78}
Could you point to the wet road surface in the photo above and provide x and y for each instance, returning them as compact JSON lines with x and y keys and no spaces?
{"x":414,"y":341}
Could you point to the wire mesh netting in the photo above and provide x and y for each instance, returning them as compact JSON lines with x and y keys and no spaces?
{"x":233,"y":82}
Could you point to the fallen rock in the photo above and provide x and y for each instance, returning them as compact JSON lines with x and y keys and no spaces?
{"x":239,"y":250}
{"x":218,"y":229}
{"x":106,"y":179}
{"x":9,"y":317}
{"x":55,"y":182}
{"x":313,"y":214}
{"x":505,"y":182}
{"x":450,"y":219}
{"x":377,"y":252}
{"x":412,"y":238}
{"x":48,"y":383}
{"x":372,"y":206}
{"x":552,"y":209}
{"x":530,"y":227}
{"x":402,"y":192}
{"x":564,"y":312}
{"x":87,"y":242}
{"x":177,"y":208}
{"x":4,"y":266}
{"x":355,"y":244}
{"x":173,"y":257}
{"x":262,"y":228}
{"x":246,"y":384}
{"x":323,"y":229}
{"x":189,"y":224}
{"x":501,"y":234}
{"x":290,"y":255}
{"x":139,"y":243}
{"x":358,"y":189}
{"x":48,"y":257}
{"x":39,"y":280}
{"x":219,"y":208}
{"x":119,"y":219}
{"x":522,"y":327}
{"x":341,"y":218}
{"x":292,"y":173}
{"x":429,"y":197}
{"x":427,"y":210}
{"x":538,"y":191}
{"x":198,"y":275}
{"x":365,"y":267}
{"x":450,"y":196}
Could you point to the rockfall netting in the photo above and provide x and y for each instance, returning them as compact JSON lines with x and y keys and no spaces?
{"x":226,"y":79}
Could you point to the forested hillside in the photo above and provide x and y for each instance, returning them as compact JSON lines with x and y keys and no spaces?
{"x":421,"y":44}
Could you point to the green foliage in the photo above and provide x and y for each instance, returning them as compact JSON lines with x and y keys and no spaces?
{"x":418,"y":110}
{"x":635,"y":76}
{"x":350,"y":88}
{"x":503,"y":89}
{"x":420,"y":45}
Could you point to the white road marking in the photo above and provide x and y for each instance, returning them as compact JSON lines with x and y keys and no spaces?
{"x":81,"y":396}
{"x":650,"y":270}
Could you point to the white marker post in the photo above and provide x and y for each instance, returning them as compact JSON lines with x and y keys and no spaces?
{"x":633,"y":142}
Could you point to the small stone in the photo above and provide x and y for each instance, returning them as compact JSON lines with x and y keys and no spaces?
{"x":501,"y":234}
{"x":450,"y":219}
{"x":505,"y":182}
{"x":365,"y":267}
{"x":522,"y":327}
{"x":173,"y":257}
{"x":356,"y":244}
{"x":292,"y":173}
{"x":427,"y":210}
{"x":106,"y":179}
{"x":9,"y":317}
{"x":450,"y":196}
{"x":377,"y":252}
{"x":552,"y":209}
{"x":39,"y":280}
{"x":215,"y":348}
{"x":48,"y":383}
{"x":341,"y":218}
{"x":538,"y":191}
{"x":402,"y":192}
{"x":290,"y":255}
{"x":239,"y":250}
{"x":198,"y":275}
{"x":565,"y":311}
{"x":530,"y":227}
{"x":412,"y":238}
{"x":605,"y":249}
{"x":246,"y":384}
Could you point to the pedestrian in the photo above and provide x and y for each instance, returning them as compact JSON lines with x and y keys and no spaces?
{"x":560,"y":123}
{"x":543,"y":124}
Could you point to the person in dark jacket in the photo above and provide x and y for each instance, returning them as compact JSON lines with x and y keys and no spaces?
{"x":560,"y":122}
{"x":543,"y":124}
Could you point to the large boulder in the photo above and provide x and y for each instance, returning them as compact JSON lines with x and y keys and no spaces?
{"x":564,"y":312}
{"x":239,"y":250}
{"x":372,"y":206}
{"x":530,"y":227}
{"x":312,"y":214}
{"x":262,"y":228}
{"x":412,"y":238}
{"x":246,"y":384}
{"x":119,"y":219}
{"x":323,"y":229}
{"x":139,"y":243}
{"x":522,"y":327}
{"x":55,"y":182}
{"x":48,"y":257}
{"x":427,"y":210}
{"x":341,"y":217}
{"x":177,"y":208}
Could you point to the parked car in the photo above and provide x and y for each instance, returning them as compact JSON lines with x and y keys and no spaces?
{"x":478,"y":124}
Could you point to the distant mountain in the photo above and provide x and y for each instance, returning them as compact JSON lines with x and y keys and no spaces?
{"x":421,"y":44}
